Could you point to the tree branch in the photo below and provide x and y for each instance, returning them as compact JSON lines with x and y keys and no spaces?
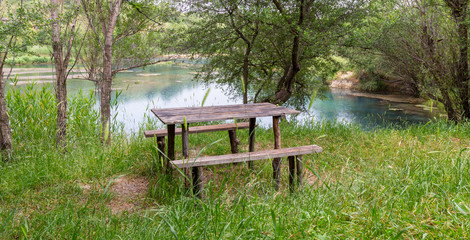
{"x":143,"y":64}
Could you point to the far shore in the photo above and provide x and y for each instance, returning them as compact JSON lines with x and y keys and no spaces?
{"x":389,"y":97}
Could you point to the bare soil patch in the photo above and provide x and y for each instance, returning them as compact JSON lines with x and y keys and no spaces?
{"x":128,"y":194}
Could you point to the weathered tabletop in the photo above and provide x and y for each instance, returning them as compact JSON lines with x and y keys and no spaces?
{"x":217,"y":113}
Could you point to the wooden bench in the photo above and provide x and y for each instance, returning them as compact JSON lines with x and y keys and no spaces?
{"x":294,"y":155}
{"x":230,"y":127}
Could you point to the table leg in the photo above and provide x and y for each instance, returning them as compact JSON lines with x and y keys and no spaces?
{"x":171,"y":146}
{"x":277,"y":145}
{"x":161,"y":152}
{"x":252,"y":139}
{"x":232,"y":135}
{"x":198,"y":183}
{"x":185,"y":142}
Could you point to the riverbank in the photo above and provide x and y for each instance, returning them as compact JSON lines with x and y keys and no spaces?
{"x":349,"y":84}
{"x":409,"y":104}
{"x":387,"y":183}
{"x":390,"y":97}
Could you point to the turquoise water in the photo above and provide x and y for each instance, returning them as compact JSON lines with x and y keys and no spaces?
{"x":172,"y":85}
{"x":340,"y":106}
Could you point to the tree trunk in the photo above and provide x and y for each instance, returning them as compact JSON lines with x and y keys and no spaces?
{"x":107,"y":71}
{"x":462,"y":65}
{"x":459,"y":13}
{"x":61,"y":75}
{"x":105,"y":108}
{"x":105,"y":99}
{"x":285,"y":84}
{"x":5,"y":130}
{"x":452,"y":113}
{"x":284,"y":88}
{"x":246,"y":73}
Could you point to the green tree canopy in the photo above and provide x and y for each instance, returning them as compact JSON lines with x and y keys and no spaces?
{"x":271,"y":50}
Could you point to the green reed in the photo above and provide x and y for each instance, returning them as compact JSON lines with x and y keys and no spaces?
{"x":411,"y":182}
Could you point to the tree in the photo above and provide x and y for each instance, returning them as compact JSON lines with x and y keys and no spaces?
{"x":62,"y":40}
{"x":280,"y":47}
{"x":117,"y":32}
{"x":459,"y":9}
{"x":232,"y":32}
{"x":15,"y":33}
{"x":425,"y":44}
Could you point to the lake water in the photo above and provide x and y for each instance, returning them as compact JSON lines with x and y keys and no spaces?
{"x":172,"y":85}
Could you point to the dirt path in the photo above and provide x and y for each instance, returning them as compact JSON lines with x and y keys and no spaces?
{"x":128,"y":193}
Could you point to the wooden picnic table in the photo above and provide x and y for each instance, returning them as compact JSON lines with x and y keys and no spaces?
{"x":173,"y":116}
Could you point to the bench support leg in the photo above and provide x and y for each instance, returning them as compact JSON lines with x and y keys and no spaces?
{"x":198,"y":181}
{"x":185,"y":147}
{"x":277,"y":145}
{"x":161,"y":152}
{"x":291,"y":173}
{"x":300,"y":174}
{"x":171,"y":146}
{"x":252,"y":139}
{"x":295,"y":167}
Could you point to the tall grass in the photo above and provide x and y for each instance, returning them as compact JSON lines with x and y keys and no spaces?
{"x":385,"y":183}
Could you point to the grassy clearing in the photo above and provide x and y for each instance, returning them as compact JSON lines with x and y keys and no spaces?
{"x":408,"y":183}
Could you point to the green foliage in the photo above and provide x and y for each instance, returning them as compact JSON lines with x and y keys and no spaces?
{"x":259,"y":39}
{"x":384,"y":183}
{"x":32,"y":112}
{"x":43,"y":51}
{"x":31,"y":55}
{"x":18,"y":30}
{"x":418,"y":48}
{"x":28,"y":59}
{"x":137,"y":37}
{"x":371,"y":81}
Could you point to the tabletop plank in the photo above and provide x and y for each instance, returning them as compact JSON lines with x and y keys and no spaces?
{"x":168,"y":112}
{"x":218,"y":108}
{"x":217,"y":113}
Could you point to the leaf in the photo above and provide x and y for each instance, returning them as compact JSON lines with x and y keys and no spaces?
{"x":273,"y":217}
{"x":137,"y":6}
{"x":314,"y":94}
{"x":205,"y":97}
{"x":243,"y":85}
{"x":172,"y":229}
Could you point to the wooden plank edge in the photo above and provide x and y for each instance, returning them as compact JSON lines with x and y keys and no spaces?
{"x":198,"y":129}
{"x":248,"y":156}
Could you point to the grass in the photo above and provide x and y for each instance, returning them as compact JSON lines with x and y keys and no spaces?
{"x":34,"y":55}
{"x":387,"y":183}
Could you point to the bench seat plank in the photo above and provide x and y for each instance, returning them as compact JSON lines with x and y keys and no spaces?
{"x":248,"y":156}
{"x":198,"y":129}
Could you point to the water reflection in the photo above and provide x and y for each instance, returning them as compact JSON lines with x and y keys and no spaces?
{"x":171,"y":85}
{"x":340,"y":106}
